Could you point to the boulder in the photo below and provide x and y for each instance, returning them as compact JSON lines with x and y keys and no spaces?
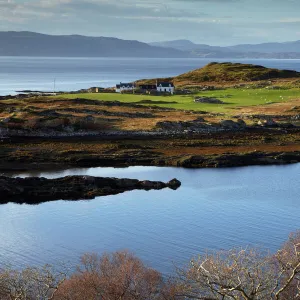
{"x":242,"y":123}
{"x":268,"y":122}
{"x":174,"y":184}
{"x":229,"y":124}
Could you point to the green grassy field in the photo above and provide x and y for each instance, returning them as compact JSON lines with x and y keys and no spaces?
{"x":232,"y":97}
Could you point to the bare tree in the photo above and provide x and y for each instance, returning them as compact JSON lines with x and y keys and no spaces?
{"x":287,"y":267}
{"x":243,"y":274}
{"x":236,"y":274}
{"x":30,"y":283}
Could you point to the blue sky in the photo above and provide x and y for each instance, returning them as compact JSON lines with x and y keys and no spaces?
{"x":215,"y":22}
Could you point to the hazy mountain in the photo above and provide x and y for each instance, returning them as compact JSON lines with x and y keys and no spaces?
{"x":268,"y":47}
{"x":185,"y":45}
{"x":266,"y":50}
{"x":35,"y":44}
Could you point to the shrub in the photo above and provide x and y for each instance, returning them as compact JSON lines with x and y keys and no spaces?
{"x":120,"y":275}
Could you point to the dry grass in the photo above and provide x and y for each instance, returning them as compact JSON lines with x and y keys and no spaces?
{"x":37,"y":114}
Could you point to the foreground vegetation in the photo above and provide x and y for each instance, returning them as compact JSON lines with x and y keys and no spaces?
{"x":235,"y":274}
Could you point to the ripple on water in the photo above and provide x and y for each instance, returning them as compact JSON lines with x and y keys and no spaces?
{"x":214,"y":209}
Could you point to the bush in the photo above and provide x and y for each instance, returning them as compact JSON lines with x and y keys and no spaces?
{"x":120,"y":275}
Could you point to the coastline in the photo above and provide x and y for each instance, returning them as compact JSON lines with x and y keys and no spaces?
{"x":213,"y":150}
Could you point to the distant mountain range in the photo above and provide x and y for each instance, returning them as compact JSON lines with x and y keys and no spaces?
{"x":35,"y":44}
{"x":25,"y":43}
{"x":266,"y":50}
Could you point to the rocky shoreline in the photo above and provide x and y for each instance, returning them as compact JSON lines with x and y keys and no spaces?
{"x":35,"y":190}
{"x":163,"y":129}
{"x":226,"y":160}
{"x":269,"y":146}
{"x":241,"y":160}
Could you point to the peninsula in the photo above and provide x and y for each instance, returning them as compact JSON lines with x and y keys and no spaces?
{"x":222,"y":115}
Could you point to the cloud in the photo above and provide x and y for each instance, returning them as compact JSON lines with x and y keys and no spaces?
{"x":203,"y":21}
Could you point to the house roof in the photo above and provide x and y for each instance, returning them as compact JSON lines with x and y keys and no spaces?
{"x":165,"y":84}
{"x":147,"y":86}
{"x":127,"y":85}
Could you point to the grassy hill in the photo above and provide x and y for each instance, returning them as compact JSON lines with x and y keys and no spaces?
{"x":230,"y":73}
{"x":224,"y":72}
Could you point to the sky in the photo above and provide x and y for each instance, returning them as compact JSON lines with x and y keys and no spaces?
{"x":214,"y":22}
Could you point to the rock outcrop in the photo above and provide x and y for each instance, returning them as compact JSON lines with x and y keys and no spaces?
{"x":267,"y":122}
{"x":209,"y":100}
{"x":200,"y":126}
{"x":35,"y":190}
{"x":231,"y":125}
{"x":239,"y":160}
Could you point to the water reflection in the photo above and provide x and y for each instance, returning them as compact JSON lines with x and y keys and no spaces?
{"x":214,"y":209}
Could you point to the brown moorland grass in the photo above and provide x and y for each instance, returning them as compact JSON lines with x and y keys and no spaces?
{"x":227,"y":74}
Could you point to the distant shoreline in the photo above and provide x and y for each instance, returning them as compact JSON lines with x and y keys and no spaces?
{"x":151,"y":57}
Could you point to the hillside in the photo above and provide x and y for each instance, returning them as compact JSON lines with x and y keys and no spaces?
{"x":35,"y":44}
{"x":233,"y":72}
{"x":228,"y":73}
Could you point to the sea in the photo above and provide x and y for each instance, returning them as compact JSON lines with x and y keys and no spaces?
{"x":213,"y":210}
{"x":72,"y":74}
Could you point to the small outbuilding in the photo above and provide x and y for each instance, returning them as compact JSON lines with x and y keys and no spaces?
{"x":147,"y":88}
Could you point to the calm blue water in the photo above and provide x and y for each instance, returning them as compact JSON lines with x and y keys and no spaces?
{"x":214,"y":209}
{"x":19,"y":73}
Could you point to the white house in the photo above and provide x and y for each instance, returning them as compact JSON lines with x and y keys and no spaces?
{"x":165,"y":87}
{"x":124,"y":87}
